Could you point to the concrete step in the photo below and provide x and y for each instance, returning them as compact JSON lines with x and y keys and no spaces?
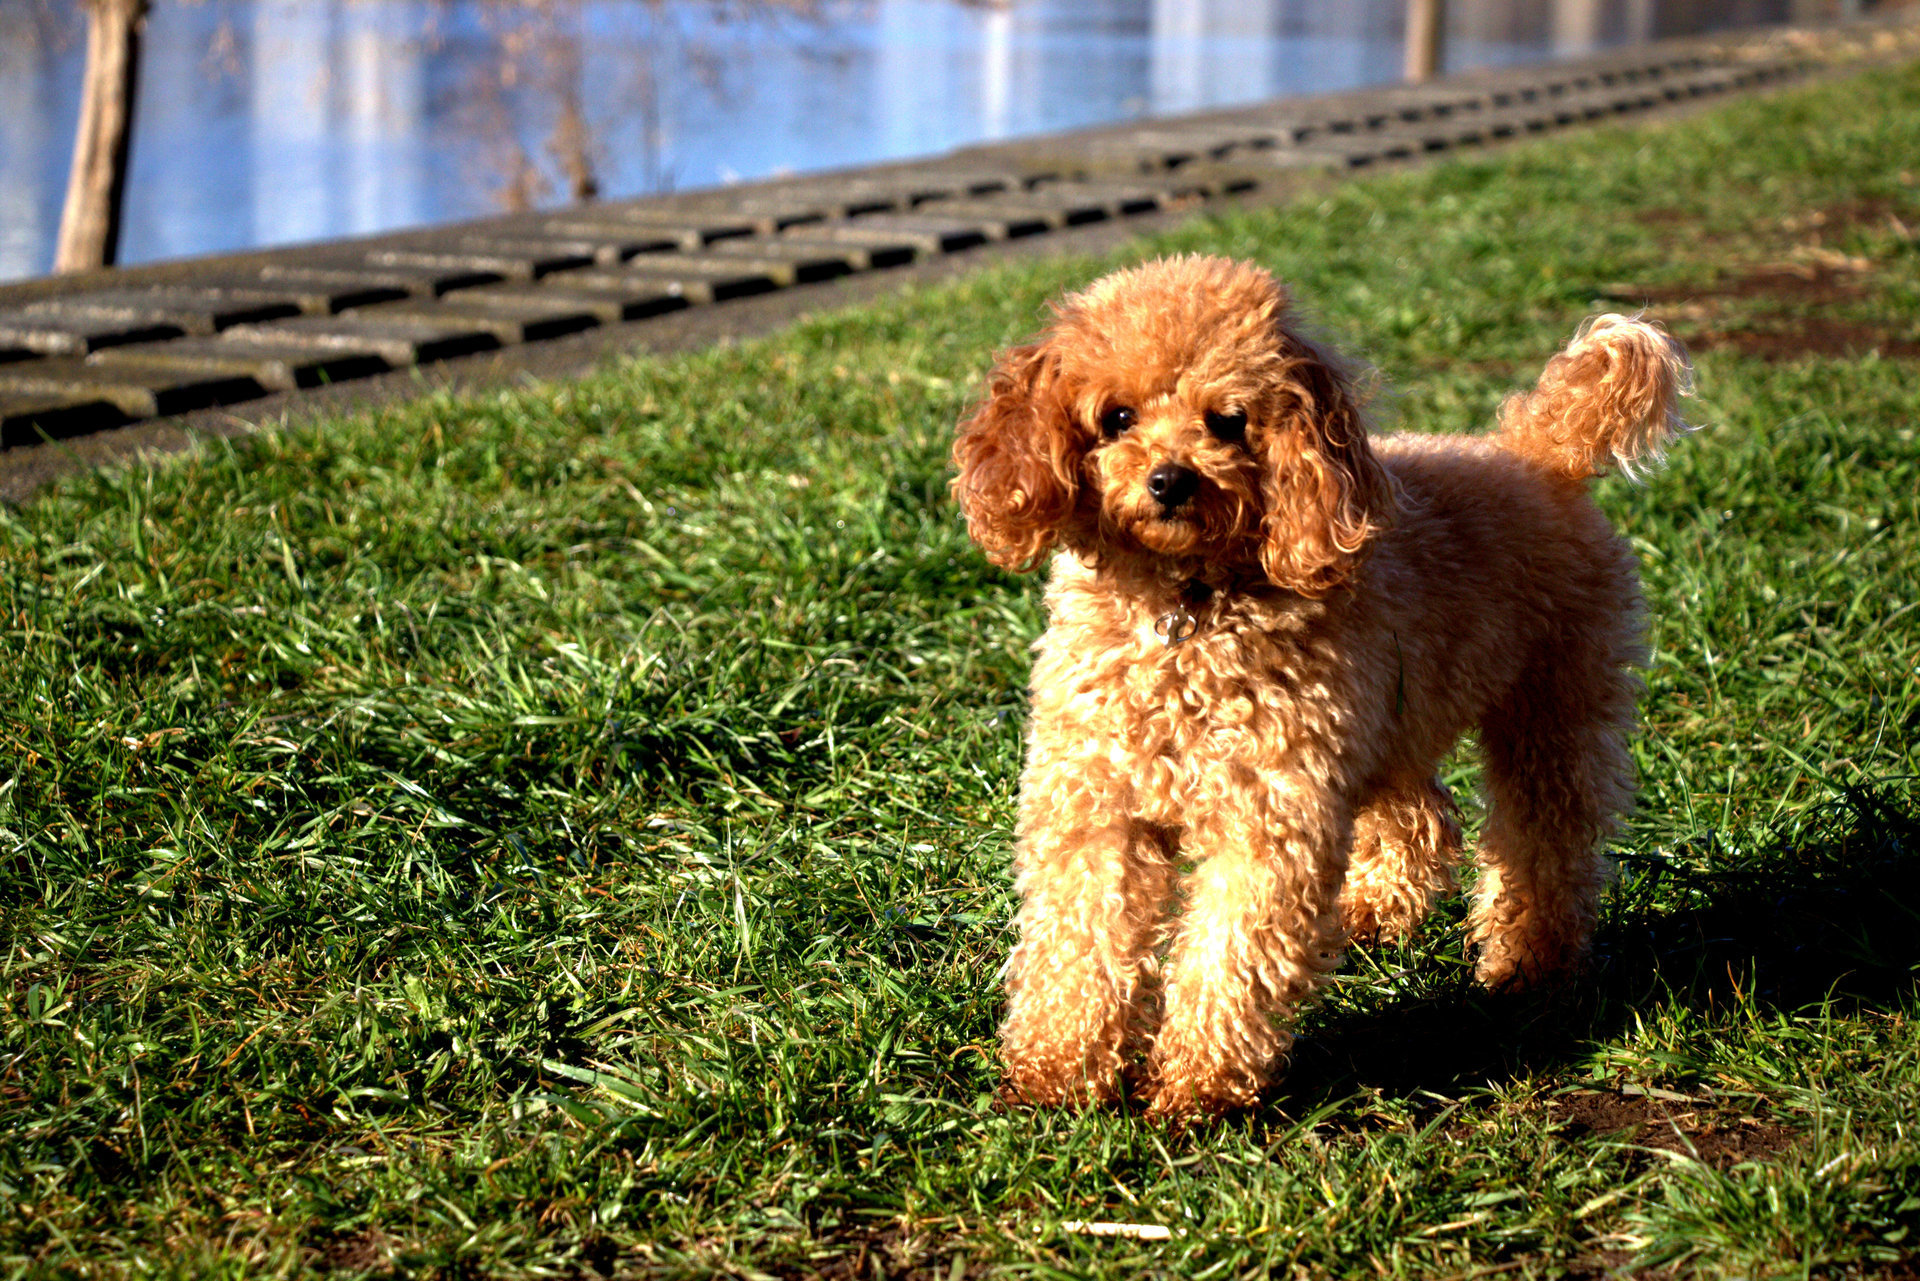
{"x":610,"y":304}
{"x":686,"y":229}
{"x":917,"y":233}
{"x":530,"y":317}
{"x":53,"y":329}
{"x":784,"y":262}
{"x":136,"y":391}
{"x":399,"y":339}
{"x":25,"y":417}
{"x":504,"y":258}
{"x":274,"y":366}
{"x":347,"y":271}
{"x":681,"y":276}
{"x":191,"y":310}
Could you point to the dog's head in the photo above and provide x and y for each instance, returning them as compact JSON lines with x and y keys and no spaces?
{"x":1169,"y":414}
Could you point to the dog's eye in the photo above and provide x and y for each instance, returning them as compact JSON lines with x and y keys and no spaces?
{"x":1115,"y":421}
{"x":1231,"y":428}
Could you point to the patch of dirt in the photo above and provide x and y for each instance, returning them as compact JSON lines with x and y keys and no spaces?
{"x":1791,"y":320}
{"x":599,"y":1255}
{"x":1812,"y":228}
{"x":1601,"y":1264}
{"x":1839,"y":338}
{"x":1716,"y":1136}
{"x":862,"y":1254}
{"x":1797,"y":283}
{"x":1665,"y":216}
{"x":1876,"y":212}
{"x":365,"y":1251}
{"x":1773,"y":311}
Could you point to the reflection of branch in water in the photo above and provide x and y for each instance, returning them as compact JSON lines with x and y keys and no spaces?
{"x":531,"y":67}
{"x":532,"y":59}
{"x":536,"y":75}
{"x":224,"y":58}
{"x":571,"y":143}
{"x":29,"y":28}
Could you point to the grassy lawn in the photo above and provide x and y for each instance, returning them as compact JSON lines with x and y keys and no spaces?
{"x":566,"y":833}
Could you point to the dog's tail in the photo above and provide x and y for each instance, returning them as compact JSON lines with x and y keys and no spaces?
{"x":1610,"y":399}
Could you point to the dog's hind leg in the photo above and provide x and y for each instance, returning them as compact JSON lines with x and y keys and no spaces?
{"x":1406,"y":843}
{"x":1559,"y":778}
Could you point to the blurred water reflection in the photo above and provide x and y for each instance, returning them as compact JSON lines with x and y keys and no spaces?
{"x":264,"y":122}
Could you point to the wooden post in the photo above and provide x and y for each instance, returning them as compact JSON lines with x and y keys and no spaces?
{"x":90,"y":222}
{"x":1426,"y":21}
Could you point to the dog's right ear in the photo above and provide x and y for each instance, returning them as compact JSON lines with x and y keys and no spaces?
{"x":1017,"y":462}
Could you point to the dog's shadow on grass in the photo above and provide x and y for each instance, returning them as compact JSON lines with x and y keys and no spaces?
{"x":1833,"y":914}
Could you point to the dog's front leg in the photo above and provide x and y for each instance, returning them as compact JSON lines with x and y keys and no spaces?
{"x":1093,"y":886}
{"x":1260,"y":929}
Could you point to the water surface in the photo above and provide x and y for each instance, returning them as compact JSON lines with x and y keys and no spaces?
{"x":265,"y":122}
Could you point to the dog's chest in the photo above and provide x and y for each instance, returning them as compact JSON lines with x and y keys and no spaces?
{"x":1176,"y":717}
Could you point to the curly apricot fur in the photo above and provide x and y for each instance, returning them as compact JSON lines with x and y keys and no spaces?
{"x":1203,"y":824}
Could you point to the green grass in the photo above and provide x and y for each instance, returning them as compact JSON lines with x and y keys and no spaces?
{"x":566,"y":832}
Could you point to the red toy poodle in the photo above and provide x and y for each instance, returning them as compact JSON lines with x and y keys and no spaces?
{"x":1266,"y":628}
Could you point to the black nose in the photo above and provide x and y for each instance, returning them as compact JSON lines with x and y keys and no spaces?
{"x":1171,"y":484}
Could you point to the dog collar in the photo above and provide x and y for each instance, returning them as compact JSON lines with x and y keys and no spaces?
{"x":1181,"y":622}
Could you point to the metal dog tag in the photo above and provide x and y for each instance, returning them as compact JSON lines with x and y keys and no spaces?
{"x":1176,"y":625}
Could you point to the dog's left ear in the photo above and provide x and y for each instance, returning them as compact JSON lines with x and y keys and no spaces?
{"x":1326,"y":494}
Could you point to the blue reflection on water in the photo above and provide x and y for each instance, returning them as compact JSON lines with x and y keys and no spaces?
{"x":264,"y":122}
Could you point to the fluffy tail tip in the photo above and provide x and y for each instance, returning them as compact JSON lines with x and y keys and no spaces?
{"x":1611,"y":399}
